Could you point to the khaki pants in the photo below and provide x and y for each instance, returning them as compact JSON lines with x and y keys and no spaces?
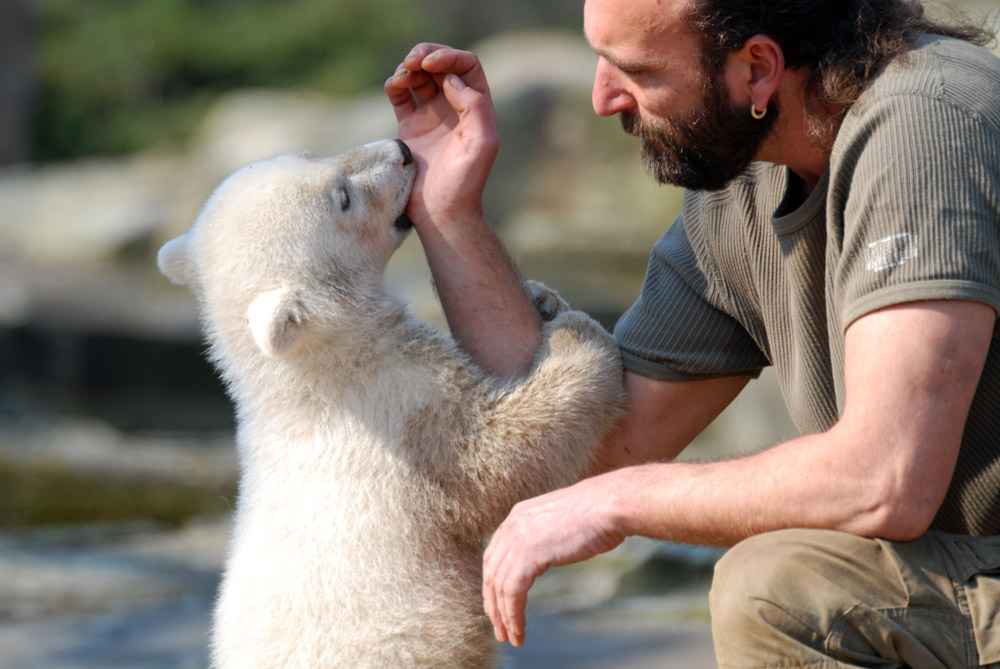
{"x":819,"y":598}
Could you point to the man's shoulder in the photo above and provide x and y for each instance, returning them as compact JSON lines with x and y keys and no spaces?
{"x":943,"y":92}
{"x":939,"y":68}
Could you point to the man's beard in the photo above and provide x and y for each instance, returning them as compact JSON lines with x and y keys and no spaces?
{"x":704,"y":149}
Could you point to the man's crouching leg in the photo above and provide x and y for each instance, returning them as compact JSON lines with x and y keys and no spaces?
{"x":819,"y":598}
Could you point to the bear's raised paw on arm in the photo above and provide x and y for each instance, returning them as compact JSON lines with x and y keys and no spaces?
{"x":563,"y":327}
{"x":547,"y":301}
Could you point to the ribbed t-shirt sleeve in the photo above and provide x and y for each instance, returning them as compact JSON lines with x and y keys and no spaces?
{"x":673,"y":332}
{"x":921,"y":218}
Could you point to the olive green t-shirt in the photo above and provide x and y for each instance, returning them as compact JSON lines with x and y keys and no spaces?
{"x":908,"y":209}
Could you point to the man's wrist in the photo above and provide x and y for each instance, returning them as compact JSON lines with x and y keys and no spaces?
{"x":454,"y":219}
{"x":619,"y":501}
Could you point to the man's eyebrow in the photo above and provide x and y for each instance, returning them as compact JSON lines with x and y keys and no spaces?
{"x":620,"y":64}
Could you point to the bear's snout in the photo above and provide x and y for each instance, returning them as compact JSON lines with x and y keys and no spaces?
{"x":403,"y":223}
{"x":405,"y":150}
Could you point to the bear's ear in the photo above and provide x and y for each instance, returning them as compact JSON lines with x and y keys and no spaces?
{"x":174,"y":260}
{"x":276,"y":321}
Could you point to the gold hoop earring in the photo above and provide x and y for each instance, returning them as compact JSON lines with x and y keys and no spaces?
{"x":757,"y":114}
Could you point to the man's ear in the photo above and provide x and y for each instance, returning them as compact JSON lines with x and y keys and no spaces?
{"x":175,"y":261}
{"x":758,"y":67}
{"x":277,"y":321}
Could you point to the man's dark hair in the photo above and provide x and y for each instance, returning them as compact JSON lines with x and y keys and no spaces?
{"x":844,"y":42}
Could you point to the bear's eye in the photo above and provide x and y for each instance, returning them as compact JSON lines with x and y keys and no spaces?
{"x":343,"y":198}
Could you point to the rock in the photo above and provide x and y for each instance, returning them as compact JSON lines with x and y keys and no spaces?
{"x":84,"y":212}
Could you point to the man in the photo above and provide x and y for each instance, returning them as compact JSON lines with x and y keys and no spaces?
{"x":843,"y":224}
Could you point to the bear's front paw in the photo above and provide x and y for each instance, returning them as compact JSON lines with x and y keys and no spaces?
{"x":547,"y":301}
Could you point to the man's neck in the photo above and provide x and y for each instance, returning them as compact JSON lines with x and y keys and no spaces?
{"x":795,"y":141}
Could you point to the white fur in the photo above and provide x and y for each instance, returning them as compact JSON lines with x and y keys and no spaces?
{"x":375,"y":455}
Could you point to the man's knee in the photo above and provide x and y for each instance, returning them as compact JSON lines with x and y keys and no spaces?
{"x":777,"y":594}
{"x":758,"y":577}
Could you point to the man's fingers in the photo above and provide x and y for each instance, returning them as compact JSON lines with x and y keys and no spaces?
{"x":490,"y":606}
{"x":407,"y":90}
{"x":424,"y":87}
{"x":400,"y":97}
{"x":420,"y":52}
{"x":439,"y":59}
{"x":452,"y":61}
{"x":491,"y":558}
{"x":512,"y":597}
{"x":508,"y":574}
{"x":423,"y":74}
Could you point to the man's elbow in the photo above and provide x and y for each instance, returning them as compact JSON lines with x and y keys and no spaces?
{"x":899,"y":516}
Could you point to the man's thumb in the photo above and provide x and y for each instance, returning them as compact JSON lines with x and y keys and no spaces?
{"x":459,"y":95}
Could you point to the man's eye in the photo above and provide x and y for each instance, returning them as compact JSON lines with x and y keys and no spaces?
{"x":343,"y":198}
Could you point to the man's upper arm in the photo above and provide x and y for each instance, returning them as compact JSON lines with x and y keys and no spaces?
{"x":664,"y":416}
{"x":911,"y":373}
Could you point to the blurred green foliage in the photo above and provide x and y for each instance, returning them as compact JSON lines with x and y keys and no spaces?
{"x":119,"y":75}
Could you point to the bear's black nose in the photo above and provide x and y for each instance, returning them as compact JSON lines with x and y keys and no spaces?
{"x":405,"y":150}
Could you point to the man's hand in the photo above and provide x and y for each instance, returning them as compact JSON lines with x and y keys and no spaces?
{"x":446,"y":116}
{"x":559,"y":528}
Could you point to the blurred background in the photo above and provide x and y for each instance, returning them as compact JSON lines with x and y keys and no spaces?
{"x":117,"y":471}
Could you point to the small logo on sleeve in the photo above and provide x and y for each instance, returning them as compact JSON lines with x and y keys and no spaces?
{"x":890,"y":252}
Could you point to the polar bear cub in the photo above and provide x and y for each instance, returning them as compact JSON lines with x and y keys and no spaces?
{"x":375,"y":456}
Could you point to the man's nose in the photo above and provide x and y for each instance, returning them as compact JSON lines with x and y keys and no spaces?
{"x":609,"y":96}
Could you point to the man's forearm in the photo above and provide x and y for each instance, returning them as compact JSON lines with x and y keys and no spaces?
{"x":487,"y":309}
{"x":445,"y":112}
{"x":834,"y":480}
{"x":723,"y":502}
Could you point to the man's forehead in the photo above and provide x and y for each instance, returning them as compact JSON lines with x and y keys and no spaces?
{"x":644,"y":15}
{"x":627,"y":32}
